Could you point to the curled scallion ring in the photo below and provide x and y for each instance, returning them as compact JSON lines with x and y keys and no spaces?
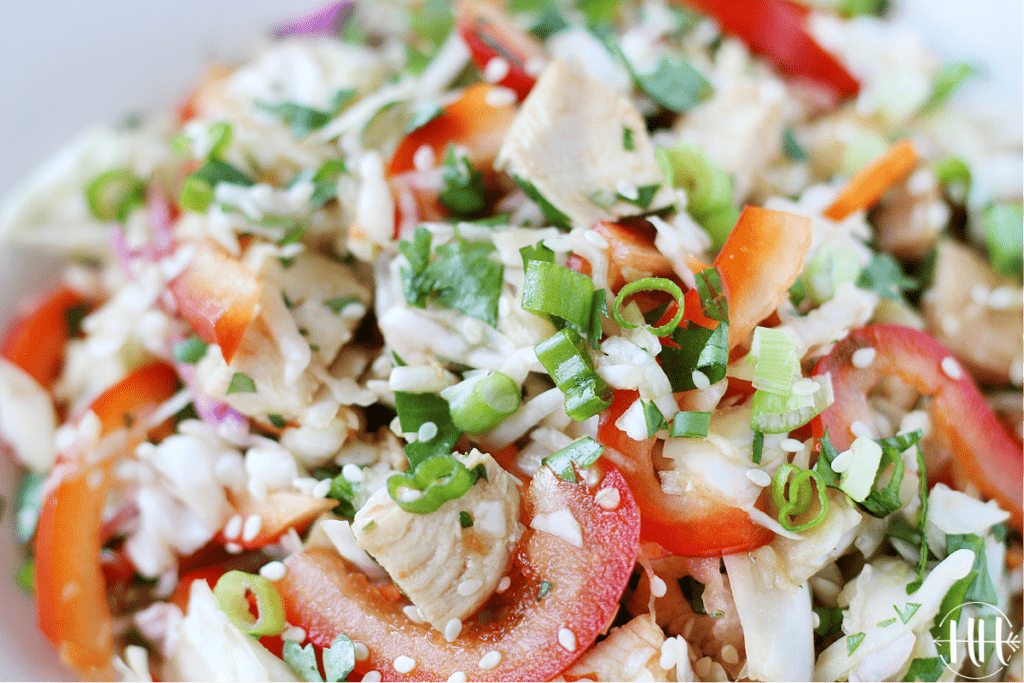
{"x":794,"y":496}
{"x":232,"y":591}
{"x":651,"y":284}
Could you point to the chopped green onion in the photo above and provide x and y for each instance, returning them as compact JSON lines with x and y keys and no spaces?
{"x":480,"y":403}
{"x":709,"y":188}
{"x":551,"y":212}
{"x":551,"y":289}
{"x":775,"y":361}
{"x":536,"y":252}
{"x":653,"y":417}
{"x":197,"y":193}
{"x":324,"y":179}
{"x":860,"y":476}
{"x":437,"y":479}
{"x":757,"y":447}
{"x":949,"y":78}
{"x":955,"y":177}
{"x":697,"y":348}
{"x":856,"y":8}
{"x":415,"y":410}
{"x":582,"y":453}
{"x":465,"y":519}
{"x":564,"y":355}
{"x":241,"y":384}
{"x":28,"y":503}
{"x":650,"y":284}
{"x":115,"y":193}
{"x":791,"y":147}
{"x":884,"y":276}
{"x":191,"y":350}
{"x":644,"y":196}
{"x":793,"y":496}
{"x":1004,"y":236}
{"x":832,"y":266}
{"x":713,"y":300}
{"x":26,"y":576}
{"x":776,"y":414}
{"x":221,"y":134}
{"x":690,"y":424}
{"x":232,"y":592}
{"x":464,"y":193}
{"x":922,"y":522}
{"x":674,"y":84}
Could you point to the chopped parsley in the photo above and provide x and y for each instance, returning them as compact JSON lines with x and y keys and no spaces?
{"x":241,"y":384}
{"x":276,"y":420}
{"x":415,"y":410}
{"x":465,"y":519}
{"x":885,"y":277}
{"x":197,"y":192}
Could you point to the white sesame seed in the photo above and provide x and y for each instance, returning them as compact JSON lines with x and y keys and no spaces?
{"x":729,"y":654}
{"x":233,"y":548}
{"x":1001,"y":298}
{"x":950,"y":324}
{"x":979,"y":294}
{"x":952,"y":368}
{"x":403,"y":664}
{"x":362,"y":652}
{"x":95,"y":478}
{"x":353,"y":473}
{"x":658,"y":587}
{"x":668,"y":654}
{"x":296,"y":633}
{"x":495,"y":70}
{"x":858,"y":428}
{"x":700,"y":380}
{"x":273,"y":571}
{"x":458,"y":677}
{"x":791,"y":445}
{"x":567,"y":639}
{"x":842,"y":462}
{"x":469,"y":587}
{"x":596,"y":239}
{"x":491,"y":660}
{"x":373,"y":677}
{"x":804,"y":387}
{"x":608,"y":498}
{"x":322,"y":488}
{"x":1017,"y":371}
{"x":921,"y":181}
{"x":427,"y":431}
{"x":413,"y":613}
{"x":251,"y":528}
{"x":759,"y":477}
{"x":424,"y":159}
{"x":627,"y":189}
{"x":503,"y":585}
{"x":815,"y":620}
{"x":499,"y":96}
{"x":534,"y":66}
{"x":452,"y":629}
{"x":409,"y":496}
{"x":864,"y":357}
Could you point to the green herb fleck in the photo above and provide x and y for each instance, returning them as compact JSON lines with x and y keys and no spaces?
{"x":339,"y":305}
{"x":628,"y":143}
{"x":792,"y":148}
{"x":853,"y":642}
{"x":241,"y":384}
{"x":545,"y":588}
{"x":465,"y":519}
{"x":191,"y":350}
{"x":277,"y":420}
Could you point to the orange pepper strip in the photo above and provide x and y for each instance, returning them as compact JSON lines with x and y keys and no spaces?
{"x":36,"y":343}
{"x":870,"y":183}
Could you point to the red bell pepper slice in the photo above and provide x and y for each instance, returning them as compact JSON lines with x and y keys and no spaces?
{"x":326,"y":597}
{"x":36,"y":343}
{"x":490,"y":34}
{"x":694,"y":525}
{"x":775,"y":30}
{"x":218,"y":295}
{"x":982,"y":448}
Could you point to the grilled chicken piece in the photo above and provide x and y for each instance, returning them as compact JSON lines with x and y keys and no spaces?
{"x":570,"y":142}
{"x":911,"y":218}
{"x":976,"y":313}
{"x":446,"y":570}
{"x":631,"y":652}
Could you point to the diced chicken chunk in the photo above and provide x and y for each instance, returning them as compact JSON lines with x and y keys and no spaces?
{"x":631,"y":652}
{"x":570,"y":142}
{"x":976,"y":313}
{"x":910,"y":220}
{"x":446,"y":570}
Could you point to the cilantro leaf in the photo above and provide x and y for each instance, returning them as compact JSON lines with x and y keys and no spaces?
{"x":416,"y":409}
{"x":925,"y":669}
{"x":653,"y":417}
{"x":343,"y":491}
{"x":885,"y":277}
{"x":339,"y":659}
{"x":191,"y":350}
{"x":792,"y":148}
{"x":551,"y":212}
{"x":241,"y":384}
{"x":464,"y":193}
{"x":698,"y":348}
{"x":302,"y":660}
{"x":675,"y":84}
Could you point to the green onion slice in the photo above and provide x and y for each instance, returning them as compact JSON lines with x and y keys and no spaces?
{"x":564,"y":355}
{"x":480,"y":403}
{"x":650,"y":284}
{"x":582,"y":453}
{"x":713,"y":300}
{"x":115,"y":193}
{"x":777,"y":414}
{"x":438,"y":479}
{"x":773,"y":355}
{"x":555,"y":290}
{"x":793,"y":496}
{"x":691,"y":424}
{"x":232,"y":591}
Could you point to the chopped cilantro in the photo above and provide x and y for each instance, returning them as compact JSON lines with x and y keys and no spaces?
{"x":628,"y":143}
{"x":551,"y":212}
{"x":197,"y":192}
{"x":241,"y":384}
{"x":792,"y":148}
{"x":465,"y":519}
{"x":696,"y":348}
{"x":340,"y":304}
{"x":653,"y":417}
{"x":908,"y":611}
{"x":304,"y":120}
{"x":885,"y":277}
{"x":644,"y":195}
{"x":416,"y":409}
{"x":675,"y":84}
{"x":343,"y":491}
{"x":73,"y":317}
{"x":830,"y":621}
{"x":545,"y":588}
{"x":464,"y":193}
{"x":853,"y":642}
{"x":191,"y":350}
{"x":949,"y":78}
{"x":276,"y":420}
{"x":886,"y":622}
{"x":925,"y":669}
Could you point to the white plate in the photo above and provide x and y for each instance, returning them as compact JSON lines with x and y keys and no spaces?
{"x":71,"y":64}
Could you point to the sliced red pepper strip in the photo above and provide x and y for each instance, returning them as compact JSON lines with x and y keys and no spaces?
{"x":868,"y":185}
{"x":775,"y":29}
{"x":218,"y":295}
{"x":490,"y":34}
{"x":691,"y":525}
{"x":327,"y":597}
{"x":983,"y":450}
{"x":36,"y":343}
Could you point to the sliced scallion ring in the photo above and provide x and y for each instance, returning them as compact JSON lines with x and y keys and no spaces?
{"x":232,"y":591}
{"x":651,"y":284}
{"x":115,"y":193}
{"x":793,"y":496}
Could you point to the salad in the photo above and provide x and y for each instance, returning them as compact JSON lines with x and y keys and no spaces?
{"x":540,"y":341}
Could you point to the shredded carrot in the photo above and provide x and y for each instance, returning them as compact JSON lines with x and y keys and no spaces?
{"x":870,"y":183}
{"x":1014,"y":558}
